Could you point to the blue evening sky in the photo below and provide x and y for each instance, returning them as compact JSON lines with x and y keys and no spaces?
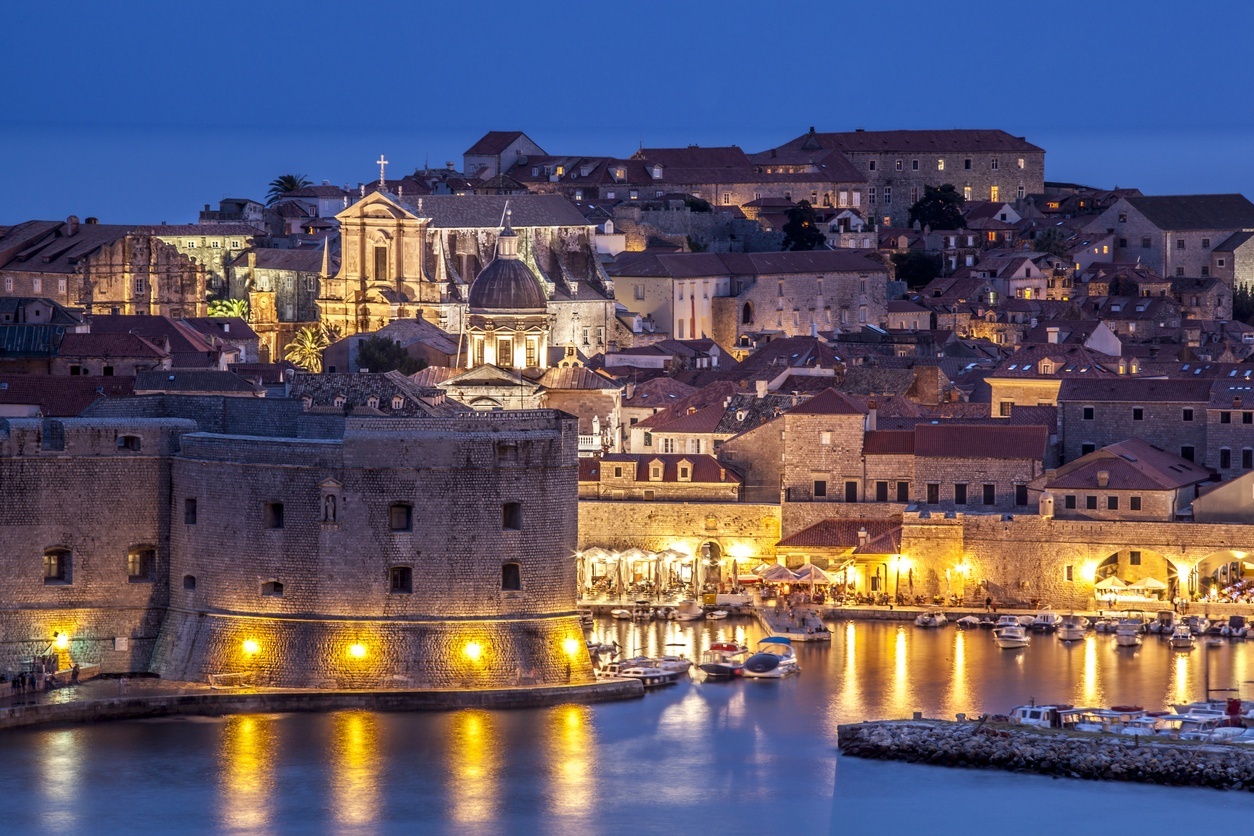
{"x":138,"y":111}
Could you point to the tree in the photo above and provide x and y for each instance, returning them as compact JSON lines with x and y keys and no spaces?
{"x":939,"y":208}
{"x":1243,"y":304}
{"x":283,"y":184}
{"x":916,"y":268}
{"x":305,"y":349}
{"x":1050,"y":241}
{"x":802,"y":230}
{"x":380,"y":354}
{"x":230,"y":307}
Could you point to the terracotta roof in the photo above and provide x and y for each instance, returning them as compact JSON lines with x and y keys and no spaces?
{"x":225,"y":230}
{"x":493,"y":142}
{"x":658,"y":392}
{"x":713,"y":394}
{"x":920,"y":141}
{"x":888,"y":442}
{"x":1129,"y":465}
{"x":697,"y":265}
{"x":829,"y":402}
{"x":980,"y":441}
{"x":1135,"y":390}
{"x":576,"y":377}
{"x":61,"y":397}
{"x":699,"y":421}
{"x":1196,"y":211}
{"x":705,"y":468}
{"x":193,"y":380}
{"x":109,"y":345}
{"x":474,"y":211}
{"x":839,"y":533}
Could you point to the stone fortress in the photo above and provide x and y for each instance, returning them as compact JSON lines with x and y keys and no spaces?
{"x":193,"y":536}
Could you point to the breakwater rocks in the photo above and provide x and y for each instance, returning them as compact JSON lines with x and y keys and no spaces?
{"x":1105,"y":757}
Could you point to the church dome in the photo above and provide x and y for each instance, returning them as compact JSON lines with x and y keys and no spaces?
{"x":507,"y":284}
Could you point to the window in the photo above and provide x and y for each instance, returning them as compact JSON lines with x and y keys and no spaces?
{"x":888,"y":196}
{"x":870,"y":195}
{"x":139,"y":286}
{"x":1205,"y":271}
{"x":648,"y":439}
{"x":1186,"y":414}
{"x":1146,"y":243}
{"x":1087,"y":447}
{"x":990,"y":494}
{"x":272,"y":589}
{"x":132,"y":443}
{"x":401,"y":517}
{"x":189,"y":582}
{"x":217,"y":245}
{"x":994,"y":192}
{"x":825,"y":438}
{"x":851,"y":492}
{"x":618,"y":473}
{"x":993,"y":163}
{"x":1134,"y":558}
{"x":899,"y":165}
{"x":870,"y":165}
{"x":1090,"y":503}
{"x":1138,"y":413}
{"x":914,"y":165}
{"x":1219,"y":262}
{"x":272,"y":514}
{"x":191,"y":245}
{"x":57,"y":567}
{"x":37,"y":285}
{"x":881,"y":491}
{"x":940,"y":164}
{"x":511,"y":577}
{"x":1134,"y":503}
{"x":960,"y":494}
{"x":639,"y":292}
{"x":1112,"y":503}
{"x":1020,"y":192}
{"x":140,"y":564}
{"x":933,"y":493}
{"x":60,"y":285}
{"x":1021,"y":495}
{"x":1225,"y":458}
{"x":511,"y":516}
{"x":1247,"y":459}
{"x":966,"y":164}
{"x":1225,"y":417}
{"x":1068,"y":572}
{"x":903,"y":491}
{"x":1020,"y":162}
{"x":685,"y":473}
{"x":400,"y":580}
{"x":1068,"y":501}
{"x":648,"y":494}
{"x":914,"y":195}
{"x":820,"y":488}
{"x":1004,"y":408}
{"x":1179,"y":243}
{"x":1088,"y":413}
{"x":189,"y":512}
{"x":1186,"y":452}
{"x":1179,"y":273}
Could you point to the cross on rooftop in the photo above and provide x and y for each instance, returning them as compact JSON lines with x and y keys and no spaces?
{"x":382,"y":163}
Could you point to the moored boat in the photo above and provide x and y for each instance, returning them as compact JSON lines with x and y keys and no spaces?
{"x":1046,"y":620}
{"x":967,"y":622}
{"x":716,"y":615}
{"x":1072,"y":629}
{"x":1182,"y":638}
{"x":774,"y":659}
{"x":1197,"y":624}
{"x":1011,"y":637}
{"x":689,"y":611}
{"x":931,"y":618}
{"x":620,"y":613}
{"x":724,"y":660}
{"x":1164,"y":624}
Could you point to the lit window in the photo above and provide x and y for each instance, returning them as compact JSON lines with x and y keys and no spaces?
{"x":940,"y":165}
{"x":57,"y":567}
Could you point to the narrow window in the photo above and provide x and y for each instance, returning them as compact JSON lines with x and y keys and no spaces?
{"x":189,"y":512}
{"x":401,"y":517}
{"x":851,"y":492}
{"x":511,"y":577}
{"x":1247,"y":459}
{"x":1225,"y":458}
{"x":1134,"y":503}
{"x":1112,"y":503}
{"x":933,"y":493}
{"x":57,"y":567}
{"x":189,"y":582}
{"x":1134,"y":558}
{"x":140,"y":563}
{"x":1187,"y":414}
{"x":1090,"y":503}
{"x":272,"y":589}
{"x":1225,"y":417}
{"x":1138,"y":413}
{"x":820,"y":488}
{"x":1021,"y":495}
{"x":1068,"y":501}
{"x":272,"y":515}
{"x":1247,"y":417}
{"x":960,"y":494}
{"x":400,"y":580}
{"x":903,"y":491}
{"x":1068,"y":572}
{"x":511,"y":516}
{"x":1088,"y":413}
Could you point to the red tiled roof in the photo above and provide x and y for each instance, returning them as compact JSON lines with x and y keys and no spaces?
{"x":705,"y":468}
{"x":108,"y":345}
{"x":980,"y":441}
{"x":1136,"y":390}
{"x":493,"y":142}
{"x":700,"y":421}
{"x":838,"y":533}
{"x":829,"y":402}
{"x":1129,"y":465}
{"x":61,"y":397}
{"x":888,"y":442}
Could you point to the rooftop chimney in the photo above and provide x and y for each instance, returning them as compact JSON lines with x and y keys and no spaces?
{"x":760,"y":386}
{"x":71,"y":226}
{"x":1103,"y":478}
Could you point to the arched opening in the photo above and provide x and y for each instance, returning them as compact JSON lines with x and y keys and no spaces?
{"x":712,"y":558}
{"x":746,"y":315}
{"x":1135,"y":576}
{"x":1226,"y":575}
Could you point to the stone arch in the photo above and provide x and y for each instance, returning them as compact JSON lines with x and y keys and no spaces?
{"x":746,"y":314}
{"x":1222,"y":568}
{"x":1137,"y":563}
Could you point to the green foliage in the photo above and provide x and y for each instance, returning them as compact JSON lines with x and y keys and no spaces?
{"x":916,"y":268}
{"x":305,"y":349}
{"x":1050,"y":241}
{"x":283,"y":184}
{"x":1243,"y":304}
{"x":939,"y":208}
{"x":379,"y":354}
{"x":695,"y":245}
{"x":802,"y":230}
{"x":230,"y":307}
{"x":696,"y":204}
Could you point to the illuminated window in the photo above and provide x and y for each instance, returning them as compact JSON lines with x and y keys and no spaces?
{"x":141,"y":562}
{"x":899,"y":165}
{"x":57,"y":567}
{"x":994,"y":193}
{"x":940,"y":165}
{"x":1020,"y":162}
{"x":966,"y":190}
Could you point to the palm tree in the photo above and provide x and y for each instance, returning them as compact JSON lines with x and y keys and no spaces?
{"x":229,"y":307}
{"x":305,"y":349}
{"x":283,"y":184}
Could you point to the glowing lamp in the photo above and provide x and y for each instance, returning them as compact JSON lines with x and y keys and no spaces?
{"x":251,"y":647}
{"x":472,"y":651}
{"x":61,"y":640}
{"x":571,"y":646}
{"x":357,"y":651}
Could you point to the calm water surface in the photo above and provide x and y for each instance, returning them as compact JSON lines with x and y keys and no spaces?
{"x":741,"y":756}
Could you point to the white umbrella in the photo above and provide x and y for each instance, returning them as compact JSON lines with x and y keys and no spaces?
{"x":1153,"y":583}
{"x":778,"y":573}
{"x":596,"y":553}
{"x":812,"y":574}
{"x":1110,"y":583}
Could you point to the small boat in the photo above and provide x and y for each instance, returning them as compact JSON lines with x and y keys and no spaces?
{"x":1007,"y":621}
{"x":931,"y":618}
{"x":967,"y":622}
{"x":1026,"y":620}
{"x":1039,"y":716}
{"x":1046,"y":620}
{"x":1164,"y":624}
{"x":1128,"y":632}
{"x":689,"y":611}
{"x":716,"y":615}
{"x":620,"y":613}
{"x":1011,"y":637}
{"x":987,"y":622}
{"x":650,"y":677}
{"x":1181,"y":638}
{"x":724,"y":660}
{"x":586,"y":618}
{"x":1072,"y":629}
{"x":1197,"y":624}
{"x":775,"y":659}
{"x":642,"y":611}
{"x":1105,"y":625}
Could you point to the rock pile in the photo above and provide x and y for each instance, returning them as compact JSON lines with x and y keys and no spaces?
{"x":1098,"y":757}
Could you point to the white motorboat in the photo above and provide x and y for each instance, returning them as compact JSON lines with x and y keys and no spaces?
{"x":1011,"y":637}
{"x":642,"y":611}
{"x":1007,"y":621}
{"x":724,"y":660}
{"x":967,"y":622}
{"x":1073,"y":629}
{"x":1105,"y":625}
{"x":931,"y":618}
{"x":689,"y":611}
{"x":650,"y":677}
{"x":1025,"y":620}
{"x":1046,"y":620}
{"x":1039,"y":716}
{"x":1182,"y":638}
{"x":716,"y":615}
{"x":1128,"y":630}
{"x":620,"y":613}
{"x":1164,"y":624}
{"x":774,"y":659}
{"x":1197,"y":624}
{"x":586,"y":618}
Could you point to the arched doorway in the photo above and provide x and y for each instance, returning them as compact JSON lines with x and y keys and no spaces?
{"x":1142,"y":575}
{"x":746,"y":315}
{"x":711,"y":555}
{"x":1223,"y":574}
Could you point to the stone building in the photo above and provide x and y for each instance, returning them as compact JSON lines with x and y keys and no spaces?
{"x":212,"y":246}
{"x":282,"y":288}
{"x":1169,"y":414}
{"x":665,"y":478}
{"x":102,"y":268}
{"x":295,"y":548}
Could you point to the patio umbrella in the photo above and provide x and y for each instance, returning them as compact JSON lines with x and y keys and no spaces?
{"x":1153,"y":583}
{"x":778,"y":573}
{"x":596,"y":553}
{"x":812,"y":574}
{"x":1110,"y":583}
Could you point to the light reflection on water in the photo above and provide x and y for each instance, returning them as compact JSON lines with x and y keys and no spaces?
{"x":680,"y":752}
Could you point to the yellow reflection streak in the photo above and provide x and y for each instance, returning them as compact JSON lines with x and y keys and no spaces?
{"x":355,"y":787}
{"x":1090,"y":686}
{"x":1180,"y":686}
{"x":59,"y":761}
{"x":849,"y":700}
{"x":246,"y":766}
{"x":572,"y":760}
{"x":472,"y":756}
{"x":901,"y":675}
{"x":958,"y":694}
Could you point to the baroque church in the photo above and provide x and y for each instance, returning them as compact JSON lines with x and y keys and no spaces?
{"x":404,"y":257}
